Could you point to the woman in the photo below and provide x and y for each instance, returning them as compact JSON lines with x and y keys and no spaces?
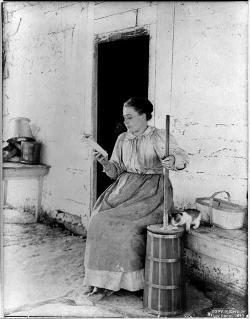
{"x":115,"y":248}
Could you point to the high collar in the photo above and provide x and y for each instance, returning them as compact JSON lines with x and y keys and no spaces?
{"x":148,"y":131}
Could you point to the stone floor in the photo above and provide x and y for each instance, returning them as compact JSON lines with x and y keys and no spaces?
{"x":43,"y":274}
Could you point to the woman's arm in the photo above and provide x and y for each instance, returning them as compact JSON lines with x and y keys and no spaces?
{"x":113,"y":167}
{"x":178,"y":159}
{"x":181,"y":157}
{"x":108,"y":167}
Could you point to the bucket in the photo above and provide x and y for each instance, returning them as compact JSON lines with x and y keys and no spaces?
{"x":164,"y":290}
{"x":30,"y":152}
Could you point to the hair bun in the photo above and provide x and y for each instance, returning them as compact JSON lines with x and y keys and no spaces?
{"x":141,"y":105}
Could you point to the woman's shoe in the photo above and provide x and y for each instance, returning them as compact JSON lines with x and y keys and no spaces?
{"x":87,"y":289}
{"x":108,"y":292}
{"x":94,"y":290}
{"x":98,"y":294}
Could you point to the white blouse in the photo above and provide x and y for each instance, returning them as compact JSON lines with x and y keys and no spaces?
{"x":142,"y":153}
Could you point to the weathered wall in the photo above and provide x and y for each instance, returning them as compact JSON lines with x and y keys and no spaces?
{"x":45,"y":79}
{"x":210,"y":97}
{"x":202,"y":46}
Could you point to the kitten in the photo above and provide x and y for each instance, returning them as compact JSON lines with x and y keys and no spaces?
{"x":189,"y":217}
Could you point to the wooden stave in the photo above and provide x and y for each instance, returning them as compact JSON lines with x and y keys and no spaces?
{"x":177,"y":291}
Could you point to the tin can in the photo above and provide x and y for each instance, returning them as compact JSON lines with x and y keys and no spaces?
{"x":30,"y":152}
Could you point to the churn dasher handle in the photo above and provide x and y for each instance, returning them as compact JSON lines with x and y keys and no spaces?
{"x":166,"y":177}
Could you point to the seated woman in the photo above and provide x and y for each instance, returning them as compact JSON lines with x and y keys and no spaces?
{"x":116,"y":240}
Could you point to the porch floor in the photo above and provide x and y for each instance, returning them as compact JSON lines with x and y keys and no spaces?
{"x":43,"y":274}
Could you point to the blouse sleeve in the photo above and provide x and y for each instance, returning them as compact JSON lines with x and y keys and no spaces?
{"x":181,"y":157}
{"x":115,"y":166}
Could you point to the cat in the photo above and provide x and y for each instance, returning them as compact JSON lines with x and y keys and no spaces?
{"x":189,"y":217}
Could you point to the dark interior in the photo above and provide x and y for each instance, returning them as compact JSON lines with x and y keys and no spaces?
{"x":122,"y":73}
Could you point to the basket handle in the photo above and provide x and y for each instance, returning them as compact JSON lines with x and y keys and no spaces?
{"x":211,"y":199}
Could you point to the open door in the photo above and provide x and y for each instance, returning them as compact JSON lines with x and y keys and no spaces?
{"x":122,"y":72}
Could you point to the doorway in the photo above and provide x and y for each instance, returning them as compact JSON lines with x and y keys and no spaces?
{"x":122,"y":72}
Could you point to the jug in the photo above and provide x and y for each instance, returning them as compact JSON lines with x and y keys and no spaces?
{"x":19,"y":130}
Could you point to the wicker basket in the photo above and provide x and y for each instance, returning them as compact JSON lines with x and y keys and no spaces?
{"x":221,"y":213}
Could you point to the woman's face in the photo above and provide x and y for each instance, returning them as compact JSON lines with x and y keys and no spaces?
{"x":134,"y":121}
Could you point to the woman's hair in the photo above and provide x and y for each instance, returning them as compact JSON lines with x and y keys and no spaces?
{"x":141,"y":105}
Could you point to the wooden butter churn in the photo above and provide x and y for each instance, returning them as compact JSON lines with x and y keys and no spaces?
{"x":164,"y":289}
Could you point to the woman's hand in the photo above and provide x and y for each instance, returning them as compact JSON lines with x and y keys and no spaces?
{"x":168,"y":162}
{"x":100,"y":158}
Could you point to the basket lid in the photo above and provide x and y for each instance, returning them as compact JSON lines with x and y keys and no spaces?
{"x":220,"y":204}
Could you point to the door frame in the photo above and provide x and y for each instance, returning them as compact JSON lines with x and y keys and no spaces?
{"x":113,"y":36}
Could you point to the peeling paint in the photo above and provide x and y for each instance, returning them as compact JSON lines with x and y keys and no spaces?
{"x":19,"y":23}
{"x":63,"y":7}
{"x":74,"y":201}
{"x":61,"y":31}
{"x":75,"y":171}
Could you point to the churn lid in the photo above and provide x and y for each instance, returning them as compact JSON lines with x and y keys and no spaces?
{"x":158,"y":229}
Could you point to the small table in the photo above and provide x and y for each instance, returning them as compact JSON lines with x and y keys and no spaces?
{"x":18,"y":171}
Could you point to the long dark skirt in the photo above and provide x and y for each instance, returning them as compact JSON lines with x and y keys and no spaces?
{"x":116,"y":239}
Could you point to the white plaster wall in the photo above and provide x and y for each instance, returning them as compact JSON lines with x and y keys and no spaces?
{"x":45,"y":79}
{"x":209,"y":98}
{"x":48,"y":79}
